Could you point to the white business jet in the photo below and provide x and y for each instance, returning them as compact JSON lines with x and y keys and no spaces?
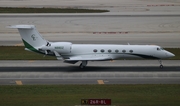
{"x":72,"y":53}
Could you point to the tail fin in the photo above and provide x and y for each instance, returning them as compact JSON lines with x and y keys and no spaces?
{"x":31,"y":38}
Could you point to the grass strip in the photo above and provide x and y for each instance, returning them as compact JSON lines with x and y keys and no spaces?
{"x":48,"y":10}
{"x":18,"y":53}
{"x":70,"y":95}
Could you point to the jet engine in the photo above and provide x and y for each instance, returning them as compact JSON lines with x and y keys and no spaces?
{"x":60,"y":47}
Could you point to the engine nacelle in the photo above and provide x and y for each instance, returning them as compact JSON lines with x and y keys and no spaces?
{"x":62,"y":47}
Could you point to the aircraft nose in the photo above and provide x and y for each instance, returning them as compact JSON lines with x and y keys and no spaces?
{"x":169,"y":54}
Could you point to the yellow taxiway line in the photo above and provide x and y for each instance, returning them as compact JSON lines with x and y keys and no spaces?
{"x":100,"y":81}
{"x":19,"y":82}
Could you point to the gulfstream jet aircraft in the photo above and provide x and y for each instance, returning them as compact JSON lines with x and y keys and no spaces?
{"x":72,"y":53}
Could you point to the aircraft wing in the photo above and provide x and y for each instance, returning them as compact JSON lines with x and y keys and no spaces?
{"x":88,"y":58}
{"x":74,"y":59}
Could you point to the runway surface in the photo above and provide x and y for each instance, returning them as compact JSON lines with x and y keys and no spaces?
{"x":129,"y":21}
{"x":112,"y":5}
{"x":116,"y":72}
{"x":95,"y":23}
{"x":99,"y":29}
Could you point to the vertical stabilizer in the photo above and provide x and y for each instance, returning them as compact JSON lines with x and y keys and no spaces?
{"x":31,"y":38}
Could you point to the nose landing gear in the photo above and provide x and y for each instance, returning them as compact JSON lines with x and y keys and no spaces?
{"x":160,"y":62}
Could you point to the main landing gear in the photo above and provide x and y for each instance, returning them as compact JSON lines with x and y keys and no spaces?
{"x":160,"y":62}
{"x":83,"y":64}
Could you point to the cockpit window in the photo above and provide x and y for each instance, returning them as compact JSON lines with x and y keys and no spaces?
{"x":161,"y":48}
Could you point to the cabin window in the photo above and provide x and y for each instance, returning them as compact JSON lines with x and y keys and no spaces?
{"x":130,"y":51}
{"x":95,"y":50}
{"x":109,"y":51}
{"x":124,"y":51}
{"x":116,"y":51}
{"x":102,"y":50}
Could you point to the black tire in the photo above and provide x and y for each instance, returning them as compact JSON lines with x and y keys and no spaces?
{"x":161,"y":66}
{"x":81,"y":66}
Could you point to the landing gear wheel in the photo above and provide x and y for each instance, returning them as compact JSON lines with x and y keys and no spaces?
{"x":161,"y":66}
{"x":81,"y":66}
